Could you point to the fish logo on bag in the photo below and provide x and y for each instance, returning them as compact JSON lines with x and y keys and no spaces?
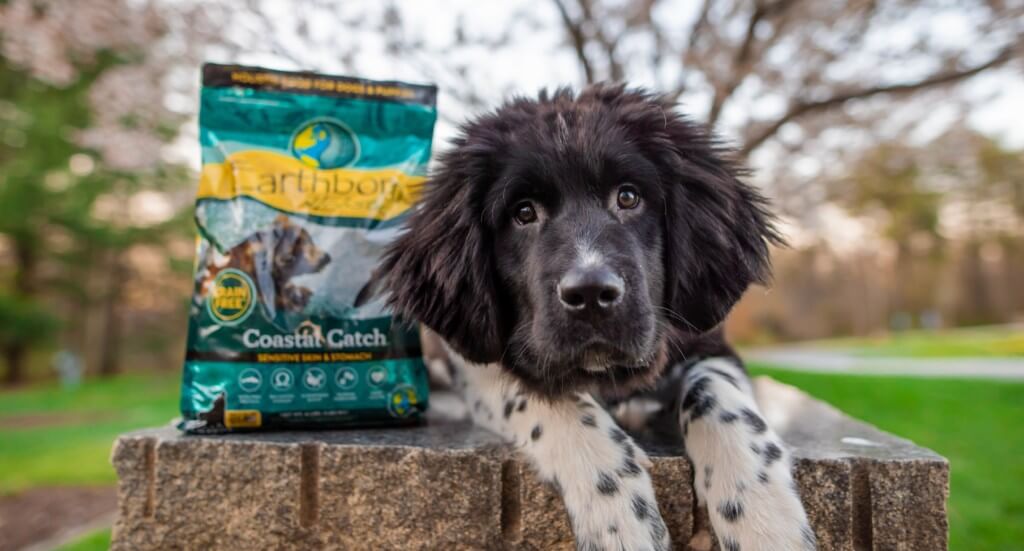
{"x":324,"y":144}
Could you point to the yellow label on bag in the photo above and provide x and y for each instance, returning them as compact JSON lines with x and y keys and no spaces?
{"x":289,"y":185}
{"x":242,"y":419}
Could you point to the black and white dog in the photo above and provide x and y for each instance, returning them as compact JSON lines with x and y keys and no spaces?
{"x":577,"y":252}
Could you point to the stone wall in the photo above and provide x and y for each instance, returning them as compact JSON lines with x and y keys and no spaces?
{"x":448,"y":485}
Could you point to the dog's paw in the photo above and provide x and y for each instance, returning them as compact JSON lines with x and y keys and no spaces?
{"x":618,"y":513}
{"x":602,"y":475}
{"x":742,"y":469}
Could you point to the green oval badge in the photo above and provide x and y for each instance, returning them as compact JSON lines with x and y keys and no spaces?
{"x":402,"y":401}
{"x":232,"y":297}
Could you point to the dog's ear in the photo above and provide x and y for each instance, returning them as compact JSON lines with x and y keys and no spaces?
{"x":440,"y":271}
{"x":718,"y":228}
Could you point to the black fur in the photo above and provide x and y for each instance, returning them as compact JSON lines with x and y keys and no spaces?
{"x":487,"y":284}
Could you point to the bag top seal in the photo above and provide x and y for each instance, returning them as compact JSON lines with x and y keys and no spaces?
{"x":306,"y":82}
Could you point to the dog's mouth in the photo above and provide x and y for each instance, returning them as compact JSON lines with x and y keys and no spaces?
{"x":600,"y":363}
{"x":604,"y":369}
{"x":614,"y":375}
{"x":553,"y":362}
{"x":598,"y":357}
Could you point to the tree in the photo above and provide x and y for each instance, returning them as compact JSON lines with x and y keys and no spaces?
{"x":36,"y":114}
{"x":796,"y":81}
{"x":891,"y":185}
{"x":85,"y":123}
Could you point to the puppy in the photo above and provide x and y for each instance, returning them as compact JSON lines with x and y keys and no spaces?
{"x":272,"y":257}
{"x":576,"y":251}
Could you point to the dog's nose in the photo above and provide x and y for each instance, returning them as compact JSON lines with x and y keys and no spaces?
{"x":591,"y":290}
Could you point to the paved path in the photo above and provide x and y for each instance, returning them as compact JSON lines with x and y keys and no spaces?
{"x":801,"y":358}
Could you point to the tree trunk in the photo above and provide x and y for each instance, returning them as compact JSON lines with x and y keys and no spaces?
{"x":975,"y":306}
{"x":16,"y":353}
{"x":14,"y":357}
{"x":900,"y":303}
{"x":110,"y":342}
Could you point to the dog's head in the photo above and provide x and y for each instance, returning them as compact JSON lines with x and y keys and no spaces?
{"x":294,"y":251}
{"x":573,"y":237}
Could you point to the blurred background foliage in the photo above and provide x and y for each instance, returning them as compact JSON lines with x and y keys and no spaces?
{"x":886,"y":132}
{"x":856,"y":115}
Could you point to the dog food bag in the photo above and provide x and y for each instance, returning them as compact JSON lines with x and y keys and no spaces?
{"x":305,"y":180}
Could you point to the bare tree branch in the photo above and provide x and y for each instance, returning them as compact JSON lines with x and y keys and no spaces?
{"x":616,"y":72}
{"x":700,"y":23}
{"x":741,"y":62}
{"x":579,"y":40}
{"x":802,"y":107}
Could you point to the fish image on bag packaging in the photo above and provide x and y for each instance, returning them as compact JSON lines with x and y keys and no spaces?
{"x":305,"y":179}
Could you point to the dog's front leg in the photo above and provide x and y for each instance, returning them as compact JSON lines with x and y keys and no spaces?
{"x":576,"y":446}
{"x":742,"y":468}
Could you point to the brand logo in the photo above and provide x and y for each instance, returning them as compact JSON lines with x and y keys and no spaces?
{"x":324,"y":144}
{"x":231,"y":299}
{"x":402,"y":401}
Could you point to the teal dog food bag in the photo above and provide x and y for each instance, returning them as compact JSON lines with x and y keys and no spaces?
{"x":305,"y":179}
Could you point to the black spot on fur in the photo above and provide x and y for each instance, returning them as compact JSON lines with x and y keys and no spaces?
{"x":756,"y":449}
{"x":730,"y":510}
{"x":618,"y":435}
{"x":522,"y":406}
{"x":509,"y":405}
{"x":613,"y":529}
{"x":699,"y":400}
{"x":628,"y":448}
{"x":763,"y":477}
{"x":704,"y":406}
{"x":535,"y":433}
{"x":810,"y":540}
{"x":728,"y":377}
{"x":754,"y":420}
{"x":589,"y":420}
{"x":728,"y":417}
{"x":707,"y":477}
{"x":476,"y":405}
{"x":686,"y":428}
{"x":772,"y":453}
{"x":729,"y":544}
{"x":606,"y":484}
{"x":641,"y":508}
{"x":658,"y":530}
{"x":630,"y":468}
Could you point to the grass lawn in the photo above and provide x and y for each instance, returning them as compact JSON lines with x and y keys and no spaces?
{"x":56,"y":436}
{"x":96,"y":541}
{"x":975,"y":424}
{"x":976,"y":342}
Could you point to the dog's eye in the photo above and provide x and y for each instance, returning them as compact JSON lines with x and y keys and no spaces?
{"x":628,"y":197}
{"x":525,"y":213}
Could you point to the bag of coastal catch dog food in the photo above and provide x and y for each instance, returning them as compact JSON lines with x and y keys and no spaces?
{"x":305,"y":180}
